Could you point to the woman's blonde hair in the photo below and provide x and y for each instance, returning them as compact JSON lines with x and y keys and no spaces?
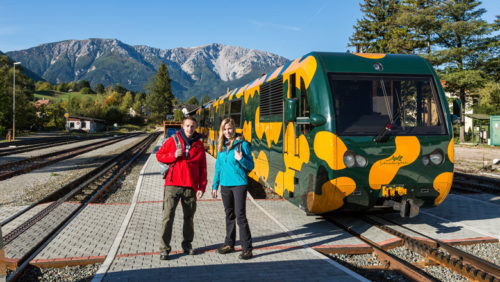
{"x":220,"y":146}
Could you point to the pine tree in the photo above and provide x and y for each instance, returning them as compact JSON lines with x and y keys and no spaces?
{"x":462,"y":41}
{"x":205,"y":100}
{"x":193,"y":101}
{"x":416,"y":28}
{"x":160,"y":99}
{"x":372,"y":31}
{"x":99,"y":88}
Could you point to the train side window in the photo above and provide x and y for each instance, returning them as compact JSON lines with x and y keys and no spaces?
{"x":226,"y":110}
{"x":293,"y":87}
{"x":304,"y":106}
{"x":236,"y":112}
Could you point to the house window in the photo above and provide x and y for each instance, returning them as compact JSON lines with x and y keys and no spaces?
{"x":71,"y":125}
{"x":84,"y":124}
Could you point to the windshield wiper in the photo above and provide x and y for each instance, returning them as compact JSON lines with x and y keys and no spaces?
{"x":382,"y":135}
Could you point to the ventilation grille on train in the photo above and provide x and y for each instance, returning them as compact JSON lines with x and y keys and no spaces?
{"x":271,"y":97}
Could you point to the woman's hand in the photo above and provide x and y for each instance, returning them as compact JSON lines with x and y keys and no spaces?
{"x":214,"y":194}
{"x":238,"y":155}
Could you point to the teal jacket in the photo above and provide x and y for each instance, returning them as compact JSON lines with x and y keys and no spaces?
{"x":229,"y":171}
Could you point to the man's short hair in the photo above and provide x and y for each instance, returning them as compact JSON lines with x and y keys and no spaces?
{"x":190,"y":118}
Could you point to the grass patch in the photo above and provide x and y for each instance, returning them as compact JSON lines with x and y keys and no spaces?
{"x":57,"y":96}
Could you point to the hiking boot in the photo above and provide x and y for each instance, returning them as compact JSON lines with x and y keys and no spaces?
{"x":189,"y":251}
{"x":164,"y":256}
{"x":225,"y":249}
{"x":246,"y":254}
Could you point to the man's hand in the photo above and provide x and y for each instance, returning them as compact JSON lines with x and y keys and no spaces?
{"x":199,"y":194}
{"x":178,"y":153}
{"x":214,"y":193}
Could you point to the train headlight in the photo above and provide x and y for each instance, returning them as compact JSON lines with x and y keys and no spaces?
{"x":425,"y":160}
{"x":436,"y":157}
{"x":361,"y":161}
{"x":349,"y":159}
{"x":352,"y":159}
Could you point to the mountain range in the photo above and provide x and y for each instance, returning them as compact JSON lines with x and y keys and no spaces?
{"x":197,"y":71}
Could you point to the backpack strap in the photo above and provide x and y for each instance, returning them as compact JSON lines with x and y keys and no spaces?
{"x":177,"y":142}
{"x":238,"y":148}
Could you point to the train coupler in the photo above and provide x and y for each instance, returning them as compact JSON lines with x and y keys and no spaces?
{"x":406,"y":208}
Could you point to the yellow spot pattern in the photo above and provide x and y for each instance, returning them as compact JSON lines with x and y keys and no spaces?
{"x":247,"y":131}
{"x":211,"y":136}
{"x":332,"y":195}
{"x":442,"y":184}
{"x":305,"y":69}
{"x":451,"y":151}
{"x":271,"y":129}
{"x":370,"y":55}
{"x":330,"y":148}
{"x":293,"y":162}
{"x":261,"y":167}
{"x":383,"y":171}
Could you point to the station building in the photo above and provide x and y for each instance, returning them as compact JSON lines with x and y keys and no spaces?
{"x":85,"y":123}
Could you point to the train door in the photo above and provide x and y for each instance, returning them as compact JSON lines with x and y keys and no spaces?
{"x":294,"y":144}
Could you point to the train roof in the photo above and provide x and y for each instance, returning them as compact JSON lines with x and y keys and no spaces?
{"x":345,"y":62}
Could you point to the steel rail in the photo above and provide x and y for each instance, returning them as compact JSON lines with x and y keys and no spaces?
{"x":391,"y":261}
{"x":475,"y":182}
{"x":136,"y":149}
{"x":51,"y":158}
{"x":457,"y":260}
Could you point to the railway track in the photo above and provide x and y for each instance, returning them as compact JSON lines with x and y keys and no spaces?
{"x":16,"y":149}
{"x":11,"y":169}
{"x":434,"y":251}
{"x":476,"y":183}
{"x":50,"y":221}
{"x":31,"y":141}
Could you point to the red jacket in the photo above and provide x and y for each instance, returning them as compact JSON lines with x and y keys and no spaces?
{"x":185,"y":172}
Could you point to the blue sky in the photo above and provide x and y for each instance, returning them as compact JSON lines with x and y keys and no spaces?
{"x":288,"y":28}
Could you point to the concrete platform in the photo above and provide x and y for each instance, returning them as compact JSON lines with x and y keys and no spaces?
{"x":278,"y":249}
{"x":125,"y":237}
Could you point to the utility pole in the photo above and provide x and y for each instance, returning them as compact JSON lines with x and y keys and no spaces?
{"x":14,"y":103}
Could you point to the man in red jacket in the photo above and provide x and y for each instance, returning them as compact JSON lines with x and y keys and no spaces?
{"x":185,"y":180}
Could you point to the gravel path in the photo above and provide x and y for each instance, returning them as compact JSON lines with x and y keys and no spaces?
{"x":477,"y":159}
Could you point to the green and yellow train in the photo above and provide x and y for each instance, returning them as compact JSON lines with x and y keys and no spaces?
{"x":344,"y":131}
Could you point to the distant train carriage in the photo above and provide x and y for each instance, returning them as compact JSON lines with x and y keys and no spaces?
{"x":342,"y":131}
{"x":170,"y":128}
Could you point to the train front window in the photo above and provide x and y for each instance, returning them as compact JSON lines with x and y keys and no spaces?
{"x":365,"y":104}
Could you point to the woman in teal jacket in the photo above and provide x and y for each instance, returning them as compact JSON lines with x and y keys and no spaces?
{"x":234,"y":161}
